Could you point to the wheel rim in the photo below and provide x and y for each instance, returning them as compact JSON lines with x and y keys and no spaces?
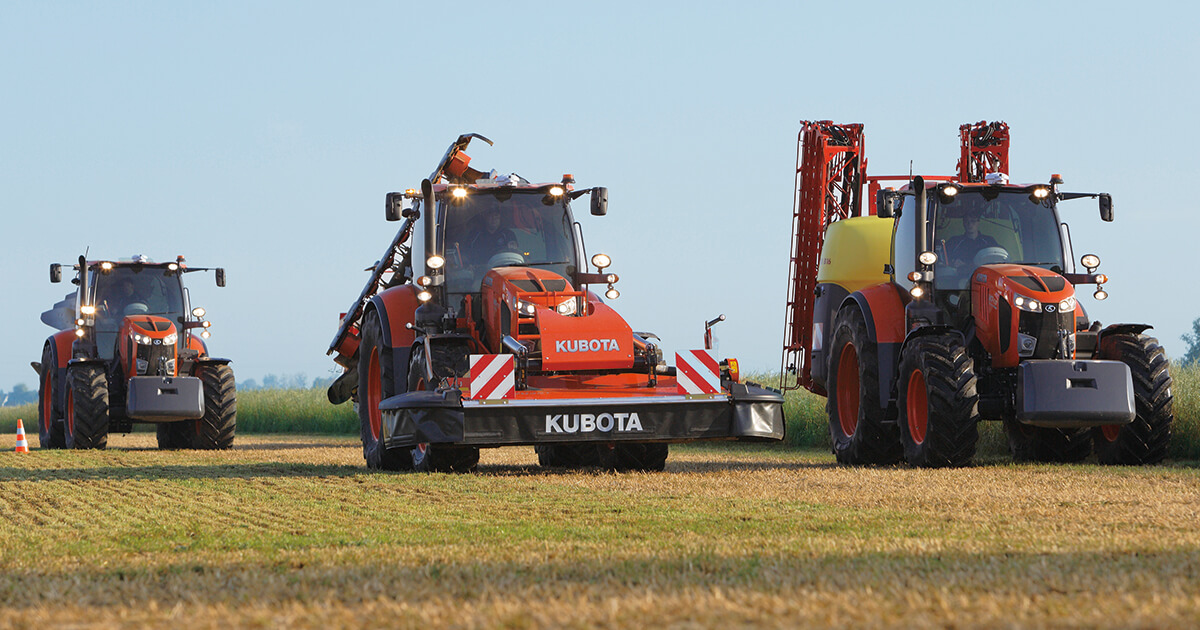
{"x":1110,"y":432}
{"x":917,"y":407}
{"x":47,"y":403}
{"x":374,"y":394}
{"x":848,"y":390}
{"x":70,"y":415}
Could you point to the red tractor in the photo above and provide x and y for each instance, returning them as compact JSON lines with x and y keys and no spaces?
{"x":951,"y":301}
{"x":479,"y":328}
{"x":125,"y":353}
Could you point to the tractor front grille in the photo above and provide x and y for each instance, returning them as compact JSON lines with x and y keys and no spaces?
{"x":1045,"y":327}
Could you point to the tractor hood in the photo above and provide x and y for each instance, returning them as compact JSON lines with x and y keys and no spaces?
{"x":1023,"y":312}
{"x":567,"y":328}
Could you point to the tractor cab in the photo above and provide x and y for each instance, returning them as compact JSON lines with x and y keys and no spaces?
{"x":150,"y":294}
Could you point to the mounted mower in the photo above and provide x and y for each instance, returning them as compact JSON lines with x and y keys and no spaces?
{"x":953,"y":301}
{"x":478,"y":328}
{"x":125,"y":353}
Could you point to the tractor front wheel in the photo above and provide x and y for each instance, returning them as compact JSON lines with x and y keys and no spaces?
{"x":376,"y":382}
{"x":856,"y":424}
{"x":50,"y":430}
{"x":450,"y":360}
{"x":215,"y":430}
{"x":87,"y":408}
{"x":939,"y":405}
{"x":1145,"y":440}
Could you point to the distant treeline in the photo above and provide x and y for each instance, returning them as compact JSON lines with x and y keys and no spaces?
{"x":21,"y":394}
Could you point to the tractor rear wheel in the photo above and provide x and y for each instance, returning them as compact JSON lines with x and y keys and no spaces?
{"x":1145,"y":440}
{"x":215,"y":430}
{"x":855,"y":416}
{"x":1043,"y":444}
{"x":450,"y":360}
{"x":50,"y":430}
{"x":87,"y":408}
{"x":939,"y":404}
{"x":376,"y":382}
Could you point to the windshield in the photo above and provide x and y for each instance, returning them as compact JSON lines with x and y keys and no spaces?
{"x":136,"y":290}
{"x":987,"y":226}
{"x":487,"y":230}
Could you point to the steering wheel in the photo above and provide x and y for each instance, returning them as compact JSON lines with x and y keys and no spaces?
{"x":136,"y":308}
{"x":991,"y":255}
{"x":505,"y":259}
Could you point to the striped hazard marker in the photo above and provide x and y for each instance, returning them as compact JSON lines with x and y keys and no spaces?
{"x":492,"y":377}
{"x":697,"y":372}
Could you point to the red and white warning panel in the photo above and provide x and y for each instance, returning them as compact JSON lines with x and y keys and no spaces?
{"x":697,"y":372}
{"x":491,"y":377}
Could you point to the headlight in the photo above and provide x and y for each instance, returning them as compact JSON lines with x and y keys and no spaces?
{"x":1067,"y":305}
{"x":87,"y":309}
{"x":927,"y":258}
{"x":198,"y":312}
{"x":171,"y":339}
{"x":1027,"y":304}
{"x":1091,"y":261}
{"x":612,"y":294}
{"x":435,"y":262}
{"x":601,"y":261}
{"x":525,"y":308}
{"x":566,"y":308}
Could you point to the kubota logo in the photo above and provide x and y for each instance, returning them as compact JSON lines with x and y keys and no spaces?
{"x":587,"y":423}
{"x":586,"y":345}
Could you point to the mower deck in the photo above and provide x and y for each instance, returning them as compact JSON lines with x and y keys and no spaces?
{"x":659,"y":414}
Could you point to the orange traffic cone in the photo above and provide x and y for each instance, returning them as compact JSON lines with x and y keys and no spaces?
{"x":22,"y":445}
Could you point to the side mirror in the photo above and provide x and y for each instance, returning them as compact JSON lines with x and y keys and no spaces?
{"x":1106,"y":207}
{"x":885,"y":204}
{"x":220,"y":276}
{"x":394,"y":206}
{"x":599,"y":202}
{"x":55,"y":273}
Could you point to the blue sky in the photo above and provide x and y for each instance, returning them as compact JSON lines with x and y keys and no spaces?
{"x":262,"y":137}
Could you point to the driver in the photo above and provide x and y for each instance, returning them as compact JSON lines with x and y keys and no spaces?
{"x":961,"y":249}
{"x":489,"y":239}
{"x":123,"y":296}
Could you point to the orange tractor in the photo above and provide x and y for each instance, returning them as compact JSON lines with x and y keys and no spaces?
{"x":125,"y":353}
{"x":479,"y":328}
{"x":952,"y":300}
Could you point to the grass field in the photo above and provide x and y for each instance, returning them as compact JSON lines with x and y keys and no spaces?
{"x":292,"y":531}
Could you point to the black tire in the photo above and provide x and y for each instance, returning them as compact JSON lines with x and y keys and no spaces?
{"x":175,"y":435}
{"x":1043,"y":444}
{"x":376,"y":382}
{"x":856,"y":419}
{"x":1146,"y":439}
{"x":939,"y":404}
{"x":642,"y":456}
{"x":87,"y":408}
{"x":568,"y":455}
{"x":50,"y":425}
{"x":449,"y":360}
{"x":215,"y":430}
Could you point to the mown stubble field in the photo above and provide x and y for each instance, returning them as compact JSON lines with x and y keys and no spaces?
{"x":293,"y":531}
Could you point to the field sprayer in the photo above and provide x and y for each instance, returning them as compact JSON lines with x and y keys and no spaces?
{"x":952,"y":300}
{"x":478,"y":328}
{"x":125,"y":353}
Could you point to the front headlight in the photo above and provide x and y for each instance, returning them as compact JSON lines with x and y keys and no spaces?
{"x":1027,"y":304}
{"x":525,"y":308}
{"x":1067,"y":305}
{"x":566,"y":308}
{"x":171,"y":339}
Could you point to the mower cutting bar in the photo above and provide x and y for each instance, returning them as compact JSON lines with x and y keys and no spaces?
{"x":749,"y":412}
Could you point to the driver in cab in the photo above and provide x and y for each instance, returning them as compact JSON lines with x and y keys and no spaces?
{"x":490,"y":239}
{"x":961,"y":249}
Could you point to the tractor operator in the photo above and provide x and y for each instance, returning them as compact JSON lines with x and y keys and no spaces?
{"x":489,"y":239}
{"x":961,"y":249}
